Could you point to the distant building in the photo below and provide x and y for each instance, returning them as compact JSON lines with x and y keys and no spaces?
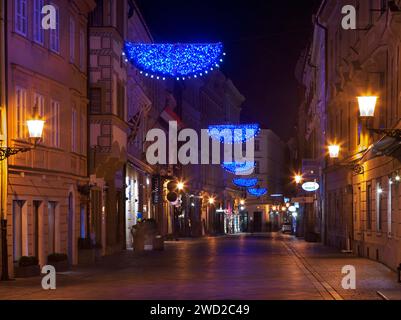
{"x":270,"y":169}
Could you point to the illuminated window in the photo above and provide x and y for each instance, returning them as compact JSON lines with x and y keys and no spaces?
{"x":55,"y":34}
{"x":21,"y":17}
{"x":38,"y":32}
{"x":20,"y":112}
{"x":369,"y":207}
{"x":55,"y":124}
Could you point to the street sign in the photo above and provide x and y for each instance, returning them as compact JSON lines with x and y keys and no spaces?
{"x":303,"y":200}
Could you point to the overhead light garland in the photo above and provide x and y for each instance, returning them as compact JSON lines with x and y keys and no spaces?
{"x":180,"y":61}
{"x":257,"y":192}
{"x":239,"y":168}
{"x":234,"y":133}
{"x":245,"y":182}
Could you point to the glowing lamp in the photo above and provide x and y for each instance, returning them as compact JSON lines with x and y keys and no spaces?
{"x":298,"y":179}
{"x":334,"y":151}
{"x":367,"y":106}
{"x":211,"y":201}
{"x":35,"y":128}
{"x":180,"y":186}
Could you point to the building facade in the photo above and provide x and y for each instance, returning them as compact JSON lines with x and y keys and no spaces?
{"x":46,"y":72}
{"x":360,"y":210}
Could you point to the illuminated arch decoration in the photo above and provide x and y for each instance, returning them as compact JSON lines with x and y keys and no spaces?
{"x":239,"y":168}
{"x":180,"y":61}
{"x":245,"y":182}
{"x":257,"y":192}
{"x":233,"y":134}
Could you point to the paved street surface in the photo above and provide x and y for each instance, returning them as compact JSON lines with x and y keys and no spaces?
{"x":237,"y":267}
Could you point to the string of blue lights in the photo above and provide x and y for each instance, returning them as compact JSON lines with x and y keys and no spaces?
{"x":180,"y":61}
{"x":234,"y":133}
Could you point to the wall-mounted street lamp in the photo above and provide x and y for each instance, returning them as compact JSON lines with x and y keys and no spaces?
{"x":35,"y":130}
{"x":180,"y":186}
{"x":334,"y":151}
{"x":298,"y":179}
{"x":367,"y":106}
{"x":212,"y":200}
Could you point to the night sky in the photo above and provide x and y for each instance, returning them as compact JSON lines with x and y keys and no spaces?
{"x":263,"y":40}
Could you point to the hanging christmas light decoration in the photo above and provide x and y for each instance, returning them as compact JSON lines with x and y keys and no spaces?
{"x":245,"y":182}
{"x":239,"y":168}
{"x":234,"y":133}
{"x":180,"y":61}
{"x":257,"y":192}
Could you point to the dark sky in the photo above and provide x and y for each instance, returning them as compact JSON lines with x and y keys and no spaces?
{"x":263,"y":40}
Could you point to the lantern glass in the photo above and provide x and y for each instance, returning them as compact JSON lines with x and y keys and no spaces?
{"x":35,"y":128}
{"x":334,"y":151}
{"x":367,"y":106}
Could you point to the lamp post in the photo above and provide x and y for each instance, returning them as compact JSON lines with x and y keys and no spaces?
{"x":35,"y":129}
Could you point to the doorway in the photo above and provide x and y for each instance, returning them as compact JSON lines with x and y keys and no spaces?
{"x":257,"y":222}
{"x":70,"y":227}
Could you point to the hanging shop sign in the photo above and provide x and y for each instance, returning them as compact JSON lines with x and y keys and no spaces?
{"x":310,"y":186}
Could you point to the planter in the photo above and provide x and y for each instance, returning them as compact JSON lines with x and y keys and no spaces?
{"x":27,"y":272}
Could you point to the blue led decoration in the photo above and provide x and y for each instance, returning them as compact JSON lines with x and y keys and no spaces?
{"x":245,"y":182}
{"x":180,"y":61}
{"x":239,"y":168}
{"x":257,"y":192}
{"x":234,"y":133}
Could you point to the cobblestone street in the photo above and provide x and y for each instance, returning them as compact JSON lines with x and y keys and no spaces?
{"x":240,"y":267}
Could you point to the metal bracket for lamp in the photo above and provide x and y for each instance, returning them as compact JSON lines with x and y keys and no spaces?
{"x":6,"y":152}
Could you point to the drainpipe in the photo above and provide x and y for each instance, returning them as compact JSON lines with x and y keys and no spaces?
{"x":3,"y":164}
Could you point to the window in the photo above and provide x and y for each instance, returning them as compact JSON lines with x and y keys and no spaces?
{"x":82,"y":50}
{"x":390,"y":207}
{"x":379,"y":199}
{"x":21,"y":17}
{"x":55,"y":124}
{"x":96,"y":17}
{"x":55,"y":34}
{"x":120,"y":100}
{"x":95,"y":100}
{"x":20,"y":112}
{"x":82,"y":136}
{"x":38,"y":32}
{"x":257,"y":145}
{"x":369,"y":208}
{"x":257,"y":167}
{"x":74,"y":127}
{"x":72,"y":40}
